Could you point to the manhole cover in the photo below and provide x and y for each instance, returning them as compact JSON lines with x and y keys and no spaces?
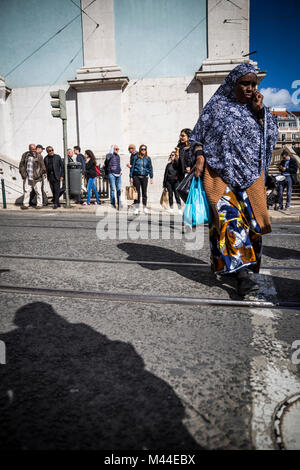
{"x":287,"y":424}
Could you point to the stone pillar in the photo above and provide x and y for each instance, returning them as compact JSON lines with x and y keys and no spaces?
{"x":100,"y":82}
{"x":227,"y":43}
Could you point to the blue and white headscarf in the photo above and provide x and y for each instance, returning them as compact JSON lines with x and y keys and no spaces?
{"x":234,"y":143}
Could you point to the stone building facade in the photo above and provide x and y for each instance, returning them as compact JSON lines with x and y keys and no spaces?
{"x":108,"y":102}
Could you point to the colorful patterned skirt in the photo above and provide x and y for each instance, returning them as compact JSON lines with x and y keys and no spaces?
{"x":239,"y":242}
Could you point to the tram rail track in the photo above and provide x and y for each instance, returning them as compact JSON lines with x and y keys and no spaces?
{"x":146,"y":223}
{"x":130,"y":297}
{"x":200,"y":266}
{"x":149,"y":299}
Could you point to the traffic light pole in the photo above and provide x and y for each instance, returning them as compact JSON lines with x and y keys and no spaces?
{"x":60,"y":111}
{"x":66,"y":160}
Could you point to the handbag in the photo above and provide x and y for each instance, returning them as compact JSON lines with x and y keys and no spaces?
{"x":197,"y":209}
{"x":164,"y":200}
{"x":131,"y":193}
{"x":184,"y":186}
{"x":97,"y":171}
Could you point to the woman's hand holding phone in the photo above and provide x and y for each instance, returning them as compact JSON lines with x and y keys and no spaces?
{"x":257,"y":100}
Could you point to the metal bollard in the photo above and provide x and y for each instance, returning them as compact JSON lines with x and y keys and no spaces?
{"x":3,"y":193}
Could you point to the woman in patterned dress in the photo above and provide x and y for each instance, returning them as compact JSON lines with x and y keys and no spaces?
{"x":232,"y":143}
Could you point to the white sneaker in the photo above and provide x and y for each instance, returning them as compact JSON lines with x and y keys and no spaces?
{"x":136,"y":211}
{"x":145,"y":210}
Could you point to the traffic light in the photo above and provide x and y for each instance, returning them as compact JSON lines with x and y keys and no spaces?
{"x":59,"y":103}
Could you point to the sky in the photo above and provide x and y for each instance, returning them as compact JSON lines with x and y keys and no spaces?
{"x":275,"y":35}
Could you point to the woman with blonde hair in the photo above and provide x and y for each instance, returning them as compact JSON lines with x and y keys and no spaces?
{"x":140,"y":171}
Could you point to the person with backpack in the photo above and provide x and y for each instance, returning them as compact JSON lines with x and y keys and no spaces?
{"x":91,"y":174}
{"x":113,"y":169}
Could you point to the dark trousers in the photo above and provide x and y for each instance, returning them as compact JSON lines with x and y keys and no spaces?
{"x":171,"y":187}
{"x":288,"y":183}
{"x":55,"y":188}
{"x":141,"y":182}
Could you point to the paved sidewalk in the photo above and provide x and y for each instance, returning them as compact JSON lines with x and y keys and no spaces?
{"x":290,"y":215}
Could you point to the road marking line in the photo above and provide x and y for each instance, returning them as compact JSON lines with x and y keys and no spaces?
{"x":271,"y":380}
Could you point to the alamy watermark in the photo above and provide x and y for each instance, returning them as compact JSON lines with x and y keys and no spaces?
{"x":115,"y":226}
{"x":296,"y":94}
{"x":2,"y":352}
{"x":296,"y":354}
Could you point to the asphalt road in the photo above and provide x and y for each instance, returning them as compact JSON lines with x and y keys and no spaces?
{"x":91,"y":372}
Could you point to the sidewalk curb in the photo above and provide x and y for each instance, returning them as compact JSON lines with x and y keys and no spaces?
{"x":287,"y":218}
{"x":105,"y":208}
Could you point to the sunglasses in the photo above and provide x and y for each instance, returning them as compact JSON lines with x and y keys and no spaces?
{"x":143,"y":149}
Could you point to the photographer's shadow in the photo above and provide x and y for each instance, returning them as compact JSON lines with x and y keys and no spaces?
{"x":66,"y":386}
{"x":204,"y":276}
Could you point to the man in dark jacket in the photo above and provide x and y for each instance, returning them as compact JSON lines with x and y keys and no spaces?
{"x":133,"y":154}
{"x":55,"y":173}
{"x":32,"y":169}
{"x":288,"y":167}
{"x":70,"y":155}
{"x":80,"y":158}
{"x":112,"y":166}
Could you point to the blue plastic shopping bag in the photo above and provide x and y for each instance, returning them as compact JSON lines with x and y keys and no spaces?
{"x":197,"y":210}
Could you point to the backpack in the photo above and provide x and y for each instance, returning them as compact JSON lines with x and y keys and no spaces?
{"x":105,"y":166}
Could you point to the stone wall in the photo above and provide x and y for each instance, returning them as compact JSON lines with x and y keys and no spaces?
{"x":152,"y":112}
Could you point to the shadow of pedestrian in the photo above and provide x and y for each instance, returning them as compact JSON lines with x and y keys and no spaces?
{"x":278,"y":252}
{"x":66,"y":386}
{"x":287,"y":289}
{"x":140,"y":252}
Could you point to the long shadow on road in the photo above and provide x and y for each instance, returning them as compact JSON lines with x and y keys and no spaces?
{"x":142,"y":252}
{"x":280,"y":253}
{"x":66,"y":386}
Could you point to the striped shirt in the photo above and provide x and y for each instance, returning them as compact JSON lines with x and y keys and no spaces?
{"x":30,"y":168}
